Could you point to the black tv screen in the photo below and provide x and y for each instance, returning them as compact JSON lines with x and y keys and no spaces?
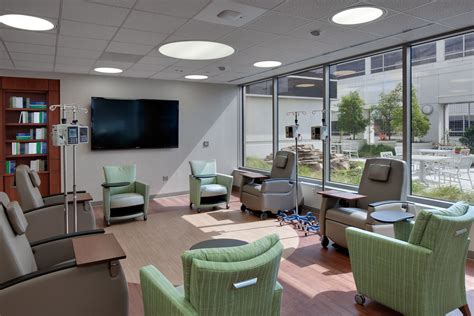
{"x":123,"y":124}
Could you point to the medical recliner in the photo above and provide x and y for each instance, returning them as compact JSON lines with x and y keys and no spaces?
{"x":43,"y":278}
{"x":46,"y":214}
{"x":278,"y":193}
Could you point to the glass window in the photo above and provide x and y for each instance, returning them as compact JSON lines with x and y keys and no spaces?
{"x":423,"y":54}
{"x":469,"y":44}
{"x":258,"y":118}
{"x":376,"y":64}
{"x":350,"y":69}
{"x":302,"y":92}
{"x":442,"y":105}
{"x":453,"y":47}
{"x":365,"y":117}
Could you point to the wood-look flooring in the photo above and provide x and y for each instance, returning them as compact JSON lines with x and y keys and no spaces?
{"x":316,"y":281}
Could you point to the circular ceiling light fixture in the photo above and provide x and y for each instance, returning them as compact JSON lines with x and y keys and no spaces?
{"x":196,"y":77}
{"x":357,"y":15}
{"x":267,"y":64}
{"x":196,"y":50}
{"x":26,"y":22}
{"x":108,"y":70}
{"x":305,"y":85}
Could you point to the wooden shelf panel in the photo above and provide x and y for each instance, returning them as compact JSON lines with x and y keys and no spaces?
{"x":26,"y":156}
{"x":26,"y":141}
{"x":27,"y":110}
{"x":12,"y":174}
{"x":26,"y":124}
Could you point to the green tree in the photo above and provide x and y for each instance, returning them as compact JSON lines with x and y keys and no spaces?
{"x":351,"y":114}
{"x":467,"y":138}
{"x":387,"y":110}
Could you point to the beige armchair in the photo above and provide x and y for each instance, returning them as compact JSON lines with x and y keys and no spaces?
{"x":384,"y":185}
{"x":277,"y":193}
{"x":45,"y":215}
{"x":43,"y":278}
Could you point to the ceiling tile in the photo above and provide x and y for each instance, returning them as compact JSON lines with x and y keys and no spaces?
{"x":399,"y":5}
{"x":179,"y":8}
{"x":39,"y":38}
{"x":211,"y":13}
{"x":168,"y":75}
{"x":442,"y":9}
{"x":48,"y":59}
{"x":85,"y":11}
{"x":138,"y":73}
{"x":32,"y":65}
{"x":120,"y":65}
{"x":129,"y":48}
{"x":314,"y":9}
{"x":191,"y":65}
{"x":117,"y":3}
{"x":71,"y":68}
{"x":242,"y":38}
{"x":44,"y":8}
{"x":30,"y":48}
{"x":264,"y":4}
{"x":80,"y":53}
{"x":228,"y":76}
{"x":146,"y":67}
{"x":6,"y":64}
{"x":75,"y":61}
{"x":3,"y":53}
{"x":203,"y":30}
{"x":139,"y":37}
{"x":87,"y":30}
{"x":426,"y":31}
{"x":145,"y":21}
{"x":274,"y":22}
{"x":459,"y":21}
{"x":82,"y":42}
{"x":152,"y":60}
{"x":393,"y":25}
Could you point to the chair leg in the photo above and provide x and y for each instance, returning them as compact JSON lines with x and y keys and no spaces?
{"x":465,"y":310}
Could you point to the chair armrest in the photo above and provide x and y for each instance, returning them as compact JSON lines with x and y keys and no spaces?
{"x":277,"y":186}
{"x":115,"y":184}
{"x":56,"y":198}
{"x":225,"y":180}
{"x":160,"y":296}
{"x":142,"y":188}
{"x":379,"y":262}
{"x":51,"y":251}
{"x":203,"y":176}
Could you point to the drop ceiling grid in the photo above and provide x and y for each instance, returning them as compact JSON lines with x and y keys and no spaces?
{"x":83,"y":33}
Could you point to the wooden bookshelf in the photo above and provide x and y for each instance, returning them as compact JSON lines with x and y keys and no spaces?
{"x":36,"y":90}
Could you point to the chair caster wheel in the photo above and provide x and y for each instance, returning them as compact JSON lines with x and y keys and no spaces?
{"x":360,"y":299}
{"x":227,"y":206}
{"x":281,"y":223}
{"x":263,"y":216}
{"x":325,"y":241}
{"x":243,"y":208}
{"x":199,"y":210}
{"x":108,"y":223}
{"x":306,"y":234}
{"x":191,"y":205}
{"x":145,"y":218}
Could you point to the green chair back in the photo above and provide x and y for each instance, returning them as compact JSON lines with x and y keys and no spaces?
{"x":115,"y":174}
{"x":204,"y":167}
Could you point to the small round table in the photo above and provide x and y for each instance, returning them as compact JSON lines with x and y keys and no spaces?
{"x":218,"y":243}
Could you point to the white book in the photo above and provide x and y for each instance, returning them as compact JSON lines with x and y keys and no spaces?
{"x":36,"y":117}
{"x":13,"y":148}
{"x":19,"y":102}
{"x":32,"y":148}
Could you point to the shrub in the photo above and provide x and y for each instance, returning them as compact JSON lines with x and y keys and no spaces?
{"x":374,"y":150}
{"x":467,"y":138}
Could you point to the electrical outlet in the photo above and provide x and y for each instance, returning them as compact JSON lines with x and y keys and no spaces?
{"x":205,"y":144}
{"x":165,"y":178}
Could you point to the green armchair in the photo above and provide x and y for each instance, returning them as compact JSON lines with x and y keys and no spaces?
{"x":421,"y":272}
{"x":207,"y":188}
{"x":124,"y":197}
{"x":219,"y":281}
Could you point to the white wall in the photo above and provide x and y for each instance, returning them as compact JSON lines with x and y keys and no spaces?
{"x":206,"y":112}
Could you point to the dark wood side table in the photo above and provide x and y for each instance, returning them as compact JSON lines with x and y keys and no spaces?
{"x":218,"y":243}
{"x":81,"y":197}
{"x":98,"y":248}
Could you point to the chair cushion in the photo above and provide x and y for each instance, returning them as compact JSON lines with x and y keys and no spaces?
{"x":35,"y":179}
{"x":16,"y":218}
{"x":378,"y":172}
{"x":252,"y":188}
{"x":4,"y":199}
{"x":350,"y":216}
{"x":280,"y":161}
{"x":423,"y":218}
{"x":213,"y":190}
{"x":126,"y":199}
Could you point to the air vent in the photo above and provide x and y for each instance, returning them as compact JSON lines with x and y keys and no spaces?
{"x":119,"y":57}
{"x":230,"y":15}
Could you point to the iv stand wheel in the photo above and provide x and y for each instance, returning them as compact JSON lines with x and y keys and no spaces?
{"x":145,"y":217}
{"x":360,"y":299}
{"x":243,"y":208}
{"x":325,"y":241}
{"x":227,"y":206}
{"x":191,"y":205}
{"x":264,"y":216}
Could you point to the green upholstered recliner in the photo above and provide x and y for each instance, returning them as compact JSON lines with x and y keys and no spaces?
{"x":421,"y":272}
{"x":124,"y":196}
{"x":207,"y":188}
{"x":219,"y":281}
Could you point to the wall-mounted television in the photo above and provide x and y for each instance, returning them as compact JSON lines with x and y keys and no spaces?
{"x":126,"y":124}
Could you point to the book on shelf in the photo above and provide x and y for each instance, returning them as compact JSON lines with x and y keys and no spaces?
{"x":10,"y":166}
{"x":38,"y":165}
{"x":26,"y":103}
{"x":37,"y":105}
{"x":33,"y":148}
{"x":32,"y":117}
{"x":34,"y":134}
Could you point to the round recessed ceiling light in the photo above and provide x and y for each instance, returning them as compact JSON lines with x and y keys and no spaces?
{"x":26,"y":22}
{"x":305,"y":85}
{"x":357,"y":15}
{"x":196,"y":77}
{"x":267,"y":64}
{"x":196,"y":50}
{"x":108,"y":70}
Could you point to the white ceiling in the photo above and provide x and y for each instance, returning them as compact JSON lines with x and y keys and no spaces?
{"x":127,"y":33}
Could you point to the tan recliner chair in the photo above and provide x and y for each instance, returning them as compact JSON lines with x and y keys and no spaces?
{"x":46,"y":214}
{"x":43,"y":278}
{"x":278,"y":193}
{"x":384,"y":184}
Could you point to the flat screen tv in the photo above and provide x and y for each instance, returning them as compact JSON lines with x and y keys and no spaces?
{"x":125,"y":124}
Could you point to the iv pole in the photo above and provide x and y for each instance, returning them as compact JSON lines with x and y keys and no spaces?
{"x":297,"y":136}
{"x":324,"y":140}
